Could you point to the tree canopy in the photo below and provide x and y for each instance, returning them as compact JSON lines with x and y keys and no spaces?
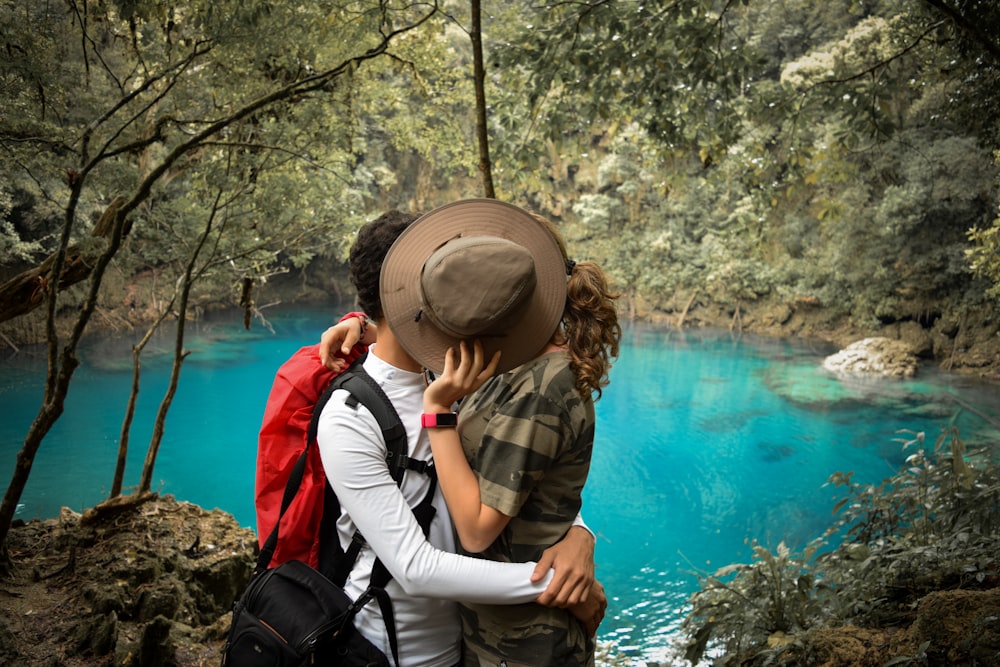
{"x":740,"y":145}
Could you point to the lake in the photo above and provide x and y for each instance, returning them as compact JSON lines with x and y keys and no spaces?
{"x":705,"y":441}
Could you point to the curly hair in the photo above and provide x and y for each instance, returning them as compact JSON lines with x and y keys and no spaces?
{"x":367,"y":254}
{"x":589,"y":326}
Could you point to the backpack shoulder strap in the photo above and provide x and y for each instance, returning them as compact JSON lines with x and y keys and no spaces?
{"x":364,"y":390}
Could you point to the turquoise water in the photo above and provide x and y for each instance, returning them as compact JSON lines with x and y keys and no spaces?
{"x":703,"y":442}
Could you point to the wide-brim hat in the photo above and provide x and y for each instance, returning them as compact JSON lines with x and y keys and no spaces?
{"x":476,"y":269}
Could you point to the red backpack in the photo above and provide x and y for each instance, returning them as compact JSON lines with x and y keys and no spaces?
{"x":297,"y":387}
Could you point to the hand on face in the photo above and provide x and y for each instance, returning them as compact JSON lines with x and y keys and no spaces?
{"x":460,"y":378}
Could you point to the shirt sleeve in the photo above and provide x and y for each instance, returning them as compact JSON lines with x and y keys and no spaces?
{"x":520,"y":443}
{"x":353,"y":455}
{"x":579,"y":522}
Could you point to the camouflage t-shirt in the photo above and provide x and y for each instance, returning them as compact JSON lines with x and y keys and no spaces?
{"x":528,"y":434}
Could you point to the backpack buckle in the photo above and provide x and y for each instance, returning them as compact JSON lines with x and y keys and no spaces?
{"x":409,"y":463}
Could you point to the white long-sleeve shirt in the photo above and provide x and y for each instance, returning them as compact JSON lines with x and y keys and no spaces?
{"x":428,"y":577}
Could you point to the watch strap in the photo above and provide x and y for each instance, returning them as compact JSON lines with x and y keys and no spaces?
{"x":439,"y":420}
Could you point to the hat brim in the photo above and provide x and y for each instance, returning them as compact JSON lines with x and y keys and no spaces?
{"x":526,"y":335}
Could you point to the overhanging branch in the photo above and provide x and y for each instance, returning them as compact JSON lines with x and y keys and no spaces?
{"x":969,"y":27}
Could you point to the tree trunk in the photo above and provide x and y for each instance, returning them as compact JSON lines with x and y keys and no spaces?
{"x":737,"y":322}
{"x":179,"y":353}
{"x":27,"y":290}
{"x":479,"y":78}
{"x":119,"y":479}
{"x":683,"y":316}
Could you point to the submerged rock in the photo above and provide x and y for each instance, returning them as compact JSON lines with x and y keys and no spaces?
{"x":874,"y":356}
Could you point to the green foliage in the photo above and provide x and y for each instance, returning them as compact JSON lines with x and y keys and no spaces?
{"x":829,"y":161}
{"x":759,"y":150}
{"x":12,"y":245}
{"x":984,"y":255}
{"x":669,"y":65}
{"x":934,"y":524}
{"x":744,"y":604}
{"x":734,"y":275}
{"x":969,"y":30}
{"x":100,"y":100}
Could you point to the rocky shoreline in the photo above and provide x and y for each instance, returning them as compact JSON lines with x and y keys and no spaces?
{"x":147,"y":582}
{"x":966,"y":342}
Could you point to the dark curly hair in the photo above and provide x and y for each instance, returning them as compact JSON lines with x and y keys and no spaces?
{"x":369,"y":250}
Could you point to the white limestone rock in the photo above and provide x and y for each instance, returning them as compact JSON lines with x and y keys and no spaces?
{"x":874,"y":356}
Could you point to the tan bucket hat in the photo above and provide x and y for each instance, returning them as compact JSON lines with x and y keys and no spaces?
{"x":474,"y":269}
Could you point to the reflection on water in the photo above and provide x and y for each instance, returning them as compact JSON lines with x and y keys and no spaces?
{"x":704,"y":442}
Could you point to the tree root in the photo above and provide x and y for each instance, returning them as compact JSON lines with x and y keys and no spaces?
{"x":114,"y":506}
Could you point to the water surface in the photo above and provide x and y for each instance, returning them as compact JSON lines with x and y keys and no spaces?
{"x":704,"y":442}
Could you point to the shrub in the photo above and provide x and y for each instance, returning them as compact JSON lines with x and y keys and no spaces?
{"x":935,"y":524}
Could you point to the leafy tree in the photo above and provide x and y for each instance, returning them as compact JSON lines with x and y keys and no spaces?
{"x":139,"y":100}
{"x":984,"y":256}
{"x":787,"y":167}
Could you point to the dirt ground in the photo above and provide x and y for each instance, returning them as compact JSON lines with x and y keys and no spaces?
{"x":151,"y":583}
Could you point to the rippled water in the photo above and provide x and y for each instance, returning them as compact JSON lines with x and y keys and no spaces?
{"x":704,"y":442}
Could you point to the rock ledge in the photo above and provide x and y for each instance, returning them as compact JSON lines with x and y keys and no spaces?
{"x":874,"y":356}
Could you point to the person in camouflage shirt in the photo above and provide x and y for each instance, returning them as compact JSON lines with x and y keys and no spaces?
{"x":529,"y":435}
{"x":470,"y":303}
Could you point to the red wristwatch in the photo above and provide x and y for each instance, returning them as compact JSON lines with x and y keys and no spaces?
{"x":439,"y":420}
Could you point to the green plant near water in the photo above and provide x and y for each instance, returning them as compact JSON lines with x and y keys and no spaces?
{"x":933,"y":525}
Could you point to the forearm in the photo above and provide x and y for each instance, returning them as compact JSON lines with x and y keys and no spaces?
{"x":421,"y":569}
{"x":345,"y":341}
{"x":362,"y":330}
{"x":477,"y":525}
{"x":377,"y":508}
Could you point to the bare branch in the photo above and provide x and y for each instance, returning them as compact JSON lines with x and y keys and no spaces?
{"x":968,"y":26}
{"x":882,"y":64}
